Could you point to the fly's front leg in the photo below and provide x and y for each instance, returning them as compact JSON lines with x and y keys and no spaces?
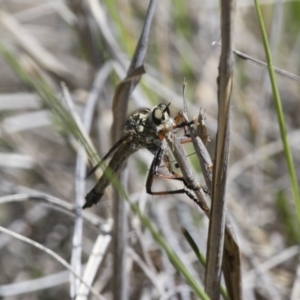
{"x":154,"y":172}
{"x":181,"y":122}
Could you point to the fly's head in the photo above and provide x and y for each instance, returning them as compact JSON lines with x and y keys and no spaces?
{"x":149,"y":126}
{"x":160,"y":116}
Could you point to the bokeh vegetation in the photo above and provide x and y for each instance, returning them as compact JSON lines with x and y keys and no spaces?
{"x":39,"y":154}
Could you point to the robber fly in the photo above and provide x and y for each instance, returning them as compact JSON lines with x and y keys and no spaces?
{"x":144,"y":129}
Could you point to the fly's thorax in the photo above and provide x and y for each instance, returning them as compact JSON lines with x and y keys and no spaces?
{"x":136,"y":121}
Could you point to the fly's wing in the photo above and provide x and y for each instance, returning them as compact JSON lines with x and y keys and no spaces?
{"x":114,"y":167}
{"x":108,"y":154}
{"x":131,"y":123}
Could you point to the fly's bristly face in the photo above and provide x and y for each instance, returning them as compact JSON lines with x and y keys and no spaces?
{"x":161,"y":118}
{"x":160,"y":114}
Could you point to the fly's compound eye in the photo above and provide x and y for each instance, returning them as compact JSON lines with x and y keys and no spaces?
{"x":160,"y":113}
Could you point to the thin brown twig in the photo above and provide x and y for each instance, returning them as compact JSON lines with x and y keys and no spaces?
{"x":261,"y":63}
{"x":216,"y":234}
{"x":232,"y":267}
{"x":120,"y":105}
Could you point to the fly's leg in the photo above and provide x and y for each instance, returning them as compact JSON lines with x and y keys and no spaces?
{"x":181,"y":122}
{"x":154,"y":172}
{"x":174,"y":175}
{"x":170,"y":169}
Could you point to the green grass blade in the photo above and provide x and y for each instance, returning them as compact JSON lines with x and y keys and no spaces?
{"x":280,"y":115}
{"x":199,"y":255}
{"x":173,"y":257}
{"x":287,"y":219}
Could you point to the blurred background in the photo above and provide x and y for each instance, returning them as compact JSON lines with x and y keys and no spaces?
{"x":77,"y":42}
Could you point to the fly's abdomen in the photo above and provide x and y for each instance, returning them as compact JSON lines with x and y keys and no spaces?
{"x":112,"y":170}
